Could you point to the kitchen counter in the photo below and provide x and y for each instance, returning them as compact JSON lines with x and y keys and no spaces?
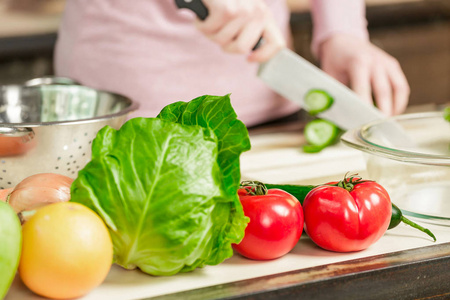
{"x":403,"y":264}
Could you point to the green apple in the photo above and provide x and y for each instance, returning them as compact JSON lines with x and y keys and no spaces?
{"x":10,"y":246}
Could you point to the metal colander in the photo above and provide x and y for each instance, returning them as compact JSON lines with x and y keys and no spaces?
{"x":48,"y":125}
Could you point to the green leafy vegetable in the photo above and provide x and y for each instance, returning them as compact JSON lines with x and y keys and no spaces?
{"x":447,"y":114}
{"x":167,"y":187}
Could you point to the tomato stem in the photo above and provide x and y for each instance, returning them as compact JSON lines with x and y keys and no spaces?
{"x":349,"y":182}
{"x":254,"y":188}
{"x":346,"y":184}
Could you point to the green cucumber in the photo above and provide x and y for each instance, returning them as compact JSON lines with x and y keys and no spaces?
{"x":317,"y":101}
{"x":298,"y":191}
{"x":10,"y":246}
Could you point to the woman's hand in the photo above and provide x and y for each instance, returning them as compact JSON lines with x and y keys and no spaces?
{"x":366,"y":69}
{"x":237,"y":25}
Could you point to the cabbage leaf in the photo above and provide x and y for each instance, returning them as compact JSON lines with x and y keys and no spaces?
{"x":166,"y":187}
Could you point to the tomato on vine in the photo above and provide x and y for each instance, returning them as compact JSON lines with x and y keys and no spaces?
{"x":346,"y":216}
{"x":276,"y":222}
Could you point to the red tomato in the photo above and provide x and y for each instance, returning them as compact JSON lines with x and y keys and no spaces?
{"x":276,"y":224}
{"x":344,"y":221}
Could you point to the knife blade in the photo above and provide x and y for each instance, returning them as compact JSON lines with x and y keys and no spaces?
{"x":292,"y":76}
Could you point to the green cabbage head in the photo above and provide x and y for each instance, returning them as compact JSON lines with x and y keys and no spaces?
{"x":166,"y":187}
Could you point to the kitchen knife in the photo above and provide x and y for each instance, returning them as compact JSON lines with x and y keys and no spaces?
{"x":293,"y":77}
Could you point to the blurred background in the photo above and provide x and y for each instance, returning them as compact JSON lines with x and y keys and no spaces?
{"x":416,"y":32}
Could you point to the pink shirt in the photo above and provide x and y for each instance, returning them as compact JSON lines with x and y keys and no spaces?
{"x":149,"y":51}
{"x":337,"y":16}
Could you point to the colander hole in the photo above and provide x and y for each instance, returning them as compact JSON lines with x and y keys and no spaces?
{"x":3,"y":161}
{"x":74,"y":162}
{"x":4,"y":171}
{"x":9,"y":182}
{"x":73,"y":172}
{"x":68,"y":169}
{"x":84,"y":154}
{"x":56,"y":168}
{"x":90,"y":142}
{"x":79,"y":147}
{"x":71,"y":156}
{"x":68,"y":163}
{"x":74,"y":140}
{"x":85,"y":134}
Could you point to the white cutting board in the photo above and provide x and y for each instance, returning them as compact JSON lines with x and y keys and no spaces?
{"x":275,"y":158}
{"x":278,"y":158}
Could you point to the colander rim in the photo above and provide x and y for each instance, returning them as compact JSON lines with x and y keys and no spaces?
{"x":133,"y":106}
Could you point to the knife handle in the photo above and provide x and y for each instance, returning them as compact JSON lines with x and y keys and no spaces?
{"x":196,"y":6}
{"x":201,"y":11}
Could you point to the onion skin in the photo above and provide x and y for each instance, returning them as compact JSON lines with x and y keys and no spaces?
{"x":39,"y":190}
{"x":4,"y":194}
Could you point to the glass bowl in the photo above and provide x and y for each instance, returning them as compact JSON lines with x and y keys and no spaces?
{"x":414,"y":167}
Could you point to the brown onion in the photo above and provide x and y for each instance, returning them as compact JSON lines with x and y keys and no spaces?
{"x":38,"y":190}
{"x":4,"y":193}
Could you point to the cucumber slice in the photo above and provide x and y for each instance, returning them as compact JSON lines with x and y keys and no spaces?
{"x":317,"y":101}
{"x":321,"y":133}
{"x":312,"y":148}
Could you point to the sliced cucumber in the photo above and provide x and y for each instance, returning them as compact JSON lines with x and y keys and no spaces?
{"x":317,"y":101}
{"x":312,"y":148}
{"x":321,"y":133}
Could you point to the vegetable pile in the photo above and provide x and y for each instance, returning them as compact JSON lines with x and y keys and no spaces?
{"x":165,"y":196}
{"x":396,"y":217}
{"x":342,"y":216}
